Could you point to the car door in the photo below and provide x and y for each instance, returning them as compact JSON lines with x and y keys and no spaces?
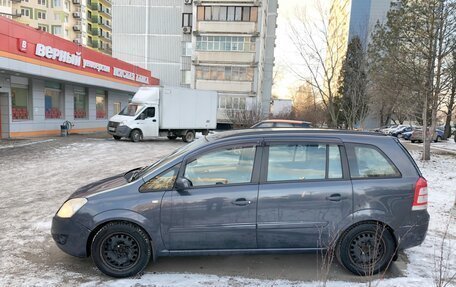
{"x":218,"y":210}
{"x":304,"y":193}
{"x":147,"y":122}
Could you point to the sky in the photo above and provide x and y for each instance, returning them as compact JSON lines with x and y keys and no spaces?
{"x":285,"y":53}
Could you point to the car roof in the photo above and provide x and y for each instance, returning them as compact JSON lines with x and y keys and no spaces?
{"x":284,"y":121}
{"x":293,"y":132}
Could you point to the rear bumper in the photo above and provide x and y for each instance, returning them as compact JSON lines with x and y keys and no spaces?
{"x":413,"y":235}
{"x":121,"y":131}
{"x":71,"y":237}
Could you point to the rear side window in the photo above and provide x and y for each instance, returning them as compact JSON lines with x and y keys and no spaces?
{"x":304,"y":162}
{"x":368,"y":161}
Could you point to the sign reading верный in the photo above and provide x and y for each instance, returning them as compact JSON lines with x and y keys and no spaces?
{"x":76,"y":60}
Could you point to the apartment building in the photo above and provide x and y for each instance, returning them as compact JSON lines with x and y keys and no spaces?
{"x":221,"y":45}
{"x":85,"y":22}
{"x":350,"y":18}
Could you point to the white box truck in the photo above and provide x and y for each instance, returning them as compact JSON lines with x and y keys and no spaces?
{"x":166,"y":111}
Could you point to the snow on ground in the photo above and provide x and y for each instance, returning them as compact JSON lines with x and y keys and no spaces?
{"x":36,"y":179}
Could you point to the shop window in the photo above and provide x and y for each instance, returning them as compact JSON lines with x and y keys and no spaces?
{"x":101,"y":104}
{"x":53,"y":100}
{"x":81,"y":103}
{"x":21,"y":102}
{"x":117,"y":107}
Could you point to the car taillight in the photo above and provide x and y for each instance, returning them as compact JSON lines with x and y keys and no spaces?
{"x":420,"y":199}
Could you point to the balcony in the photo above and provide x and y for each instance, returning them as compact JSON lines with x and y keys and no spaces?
{"x":106,"y":24}
{"x":227,"y":27}
{"x":95,"y":32}
{"x":224,"y":86}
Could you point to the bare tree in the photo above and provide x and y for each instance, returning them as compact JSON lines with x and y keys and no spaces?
{"x":321,"y":46}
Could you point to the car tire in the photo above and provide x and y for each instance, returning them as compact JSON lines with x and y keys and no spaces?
{"x":355,"y":248}
{"x":172,"y":137}
{"x":135,"y":136}
{"x":121,"y":249}
{"x":117,"y":138}
{"x":189,"y":137}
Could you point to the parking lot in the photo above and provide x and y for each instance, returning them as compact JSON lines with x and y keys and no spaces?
{"x":38,"y":175}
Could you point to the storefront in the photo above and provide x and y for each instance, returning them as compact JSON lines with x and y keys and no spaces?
{"x":46,"y":80}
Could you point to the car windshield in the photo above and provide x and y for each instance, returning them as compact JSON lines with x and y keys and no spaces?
{"x":131,"y":110}
{"x":165,"y":160}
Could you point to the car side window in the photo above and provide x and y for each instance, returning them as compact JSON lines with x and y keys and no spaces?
{"x":163,"y":181}
{"x":147,"y":113}
{"x":367,"y":161}
{"x":226,"y":166}
{"x":265,"y":125}
{"x":283,"y":125}
{"x":303,"y":162}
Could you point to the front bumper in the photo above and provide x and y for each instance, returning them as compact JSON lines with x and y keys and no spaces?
{"x":414,"y":234}
{"x":121,"y":131}
{"x":70,"y":236}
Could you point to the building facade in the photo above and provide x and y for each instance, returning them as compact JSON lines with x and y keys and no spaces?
{"x":348,"y":19}
{"x":46,"y":80}
{"x":221,"y":45}
{"x":85,"y":22}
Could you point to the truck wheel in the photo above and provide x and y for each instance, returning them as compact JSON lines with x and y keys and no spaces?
{"x":135,"y":136}
{"x":121,"y":249}
{"x":366,"y":249}
{"x":117,"y":138}
{"x":189,"y":137}
{"x":172,"y":137}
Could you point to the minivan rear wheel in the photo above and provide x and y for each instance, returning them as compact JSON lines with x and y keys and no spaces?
{"x":366,"y":249}
{"x":121,"y":249}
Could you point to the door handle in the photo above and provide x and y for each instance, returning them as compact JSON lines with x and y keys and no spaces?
{"x":154,"y":121}
{"x":241,"y":202}
{"x":334,"y":197}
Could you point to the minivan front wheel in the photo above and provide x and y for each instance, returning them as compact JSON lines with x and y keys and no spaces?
{"x":366,"y":249}
{"x":135,"y":136}
{"x":121,"y":249}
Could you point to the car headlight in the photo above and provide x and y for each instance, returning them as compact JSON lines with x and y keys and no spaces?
{"x":70,"y":207}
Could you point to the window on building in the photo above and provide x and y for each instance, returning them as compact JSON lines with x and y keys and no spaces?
{"x":43,"y":27}
{"x":187,"y":20}
{"x":187,"y":49}
{"x":221,"y":73}
{"x":67,"y":5}
{"x":57,"y":3}
{"x":101,"y":104}
{"x":81,"y":103}
{"x":57,"y":30}
{"x":116,"y":107}
{"x":232,"y":103}
{"x":42,"y":2}
{"x":27,"y":12}
{"x":41,"y":15}
{"x":21,"y":99}
{"x":225,"y":43}
{"x":53,"y":100}
{"x":227,"y":13}
{"x":66,"y":19}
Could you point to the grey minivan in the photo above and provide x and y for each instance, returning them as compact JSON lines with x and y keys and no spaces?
{"x":359,"y":195}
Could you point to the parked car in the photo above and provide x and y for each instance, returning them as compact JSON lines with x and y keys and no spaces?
{"x":388,"y":129}
{"x":417,"y":135}
{"x":254,"y":191}
{"x":276,"y":123}
{"x":407,"y":135}
{"x":400,"y":130}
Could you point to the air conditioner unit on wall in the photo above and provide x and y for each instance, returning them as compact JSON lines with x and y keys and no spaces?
{"x":188,"y":2}
{"x":187,"y":30}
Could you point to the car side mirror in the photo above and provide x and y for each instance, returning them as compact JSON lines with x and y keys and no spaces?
{"x":182,"y":184}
